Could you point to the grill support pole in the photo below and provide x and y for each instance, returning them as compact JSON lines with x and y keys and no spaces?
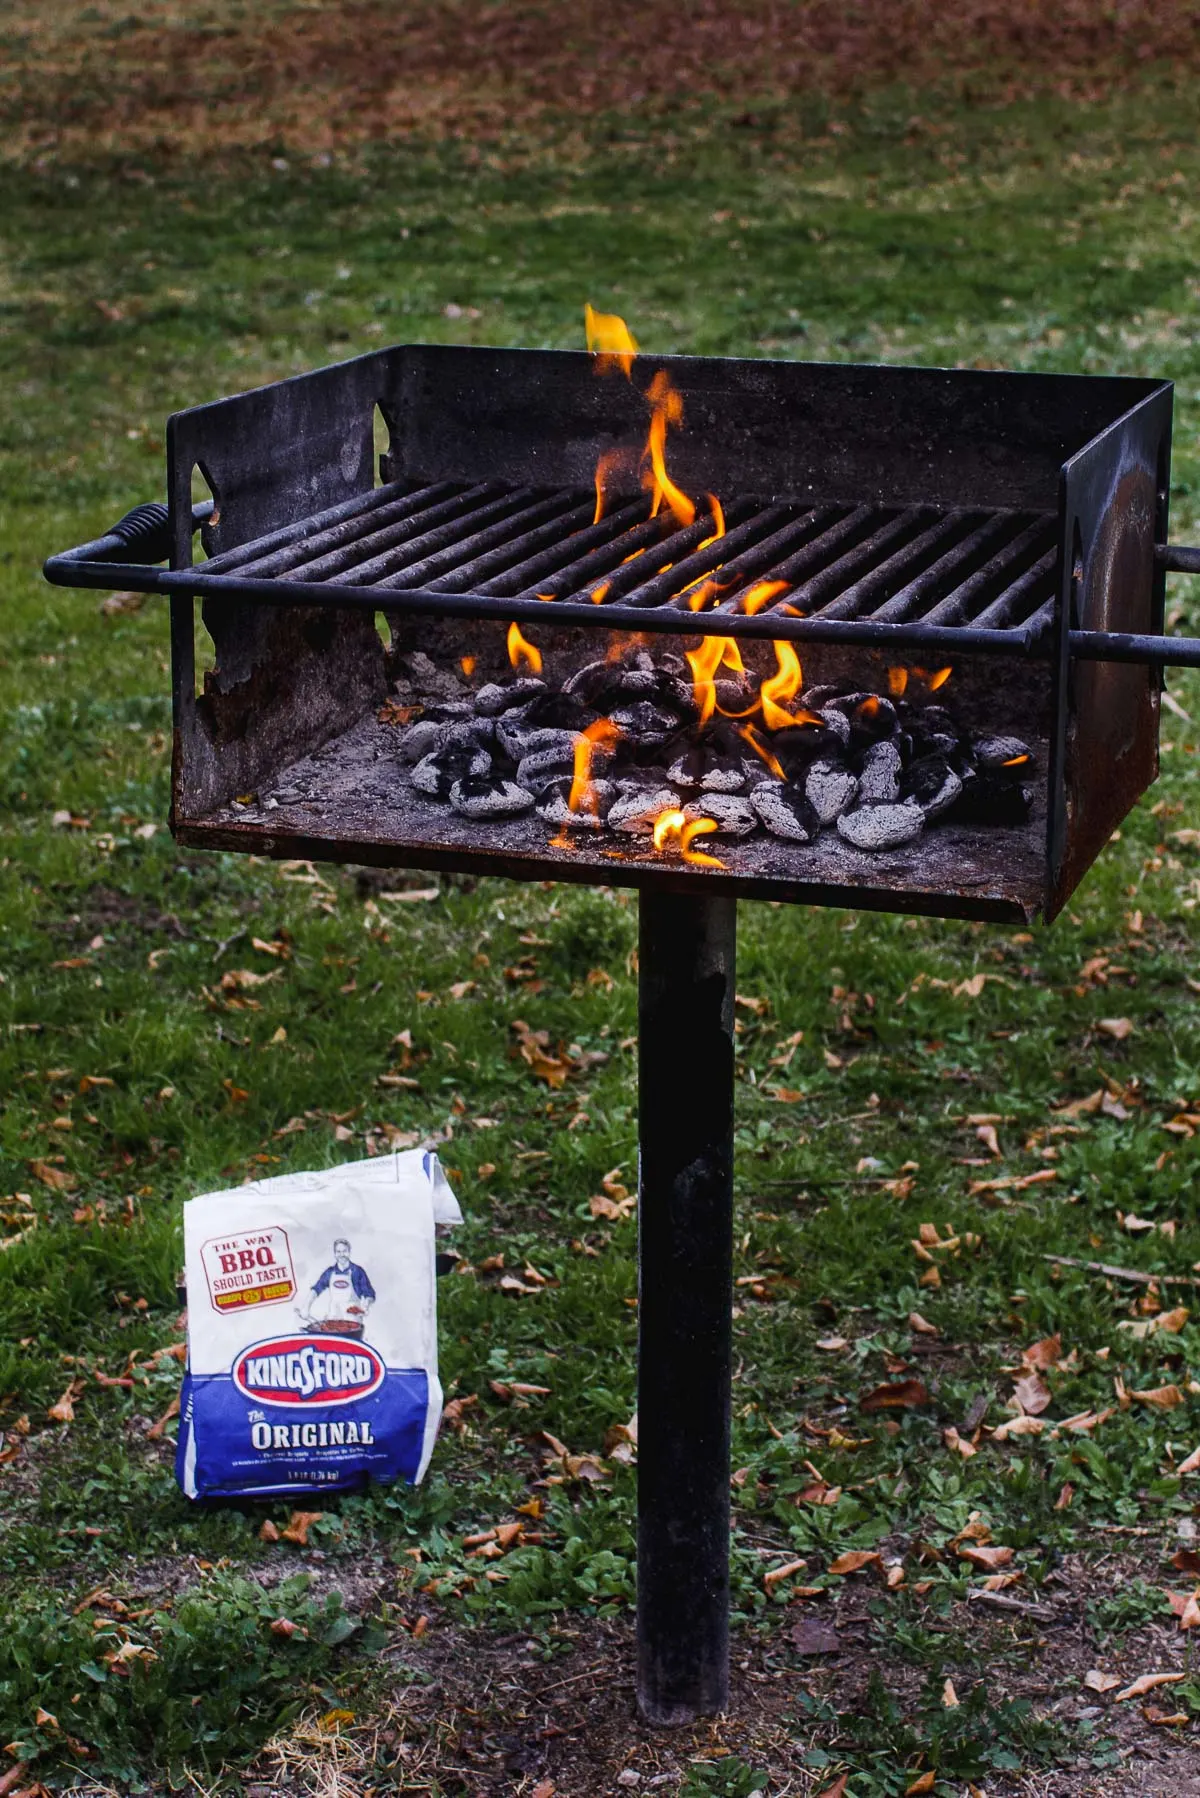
{"x":685,"y":1285}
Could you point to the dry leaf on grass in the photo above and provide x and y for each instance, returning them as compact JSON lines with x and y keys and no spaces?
{"x":1163,"y":1398}
{"x":56,"y":1178}
{"x":1117,"y":1028}
{"x":154,"y":1433}
{"x":900,"y":1395}
{"x":774,"y":1575}
{"x":1043,"y":1354}
{"x":298,"y":1526}
{"x":1192,"y":1464}
{"x":924,"y":1782}
{"x":1095,"y":1681}
{"x":1032,"y":1394}
{"x":1148,"y":1682}
{"x":958,"y":1444}
{"x":921,"y":1326}
{"x":989,"y":1558}
{"x":854,"y":1560}
{"x":64,"y":1410}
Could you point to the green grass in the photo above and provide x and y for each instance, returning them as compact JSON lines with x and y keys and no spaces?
{"x":1049,"y":237}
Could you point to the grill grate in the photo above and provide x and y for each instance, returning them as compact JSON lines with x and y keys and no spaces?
{"x":843,"y":566}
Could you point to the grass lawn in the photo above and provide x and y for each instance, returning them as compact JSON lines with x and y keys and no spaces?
{"x":927,"y":1112}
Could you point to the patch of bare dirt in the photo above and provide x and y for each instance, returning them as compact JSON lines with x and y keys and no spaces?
{"x":472,"y":1713}
{"x":165,"y":80}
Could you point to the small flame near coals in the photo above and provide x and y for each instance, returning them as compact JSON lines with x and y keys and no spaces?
{"x":761,"y":594}
{"x":749,"y":735}
{"x":672,"y":828}
{"x":468,"y":666}
{"x":713,"y":653}
{"x":603,"y":734}
{"x":521,"y":651}
{"x":898,"y":679}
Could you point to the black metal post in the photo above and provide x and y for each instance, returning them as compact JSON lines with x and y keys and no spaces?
{"x":685,"y":1283}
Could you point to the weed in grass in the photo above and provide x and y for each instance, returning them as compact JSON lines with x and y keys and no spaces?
{"x":727,"y":1778}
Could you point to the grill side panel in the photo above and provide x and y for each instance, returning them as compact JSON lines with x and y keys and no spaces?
{"x":1114,"y":509}
{"x":284,"y":681}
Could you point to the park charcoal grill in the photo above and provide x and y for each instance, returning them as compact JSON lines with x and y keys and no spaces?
{"x":969,"y":565}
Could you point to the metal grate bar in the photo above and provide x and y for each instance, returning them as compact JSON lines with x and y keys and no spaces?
{"x":304,"y":530}
{"x":1010,"y":608}
{"x":673,"y":549}
{"x":751,"y":567}
{"x":856,"y":599}
{"x":859,"y":555}
{"x":605,"y":539}
{"x":442,"y":523}
{"x":530,"y":509}
{"x":579,"y":573}
{"x":945,"y":571}
{"x":670,"y":585}
{"x":475,"y":573}
{"x":993,"y":578}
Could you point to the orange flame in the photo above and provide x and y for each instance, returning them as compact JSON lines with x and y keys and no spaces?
{"x":608,"y":461}
{"x":747,"y":732}
{"x":610,"y":341}
{"x":600,"y":594}
{"x":785,"y":683}
{"x":603,"y":734}
{"x":699,"y":595}
{"x":1015,"y":761}
{"x":468,"y":666}
{"x":520,"y":651}
{"x":672,"y":827}
{"x":713,"y":653}
{"x":718,"y":522}
{"x":621,"y":642}
{"x":869,"y":707}
{"x":666,"y":409}
{"x":897,"y":679}
{"x":939,"y":678}
{"x":760,"y":595}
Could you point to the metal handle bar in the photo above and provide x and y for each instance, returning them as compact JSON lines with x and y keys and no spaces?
{"x":143,"y":536}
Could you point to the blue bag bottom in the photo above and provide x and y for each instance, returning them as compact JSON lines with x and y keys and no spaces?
{"x":229,"y":1447}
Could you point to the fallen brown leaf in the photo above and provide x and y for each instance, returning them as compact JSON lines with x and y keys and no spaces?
{"x":1192,"y":1464}
{"x":925,"y":1782}
{"x":854,"y":1560}
{"x":988,"y":1558}
{"x":1043,"y":1354}
{"x":1032,"y":1394}
{"x":298,"y":1526}
{"x":64,"y":1410}
{"x":900,"y":1395}
{"x":1186,"y":1560}
{"x":774,"y":1575}
{"x":269,"y":1531}
{"x":1117,"y":1028}
{"x":1163,"y":1398}
{"x":1095,"y":1681}
{"x":1148,"y":1682}
{"x":154,"y":1433}
{"x":56,"y":1178}
{"x":921,"y":1325}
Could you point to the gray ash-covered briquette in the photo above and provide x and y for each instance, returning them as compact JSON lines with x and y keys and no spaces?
{"x":878,"y":770}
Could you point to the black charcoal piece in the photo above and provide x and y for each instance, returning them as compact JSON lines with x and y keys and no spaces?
{"x":838,"y":723}
{"x":784,"y":812}
{"x":817,"y":698}
{"x":881,"y":826}
{"x":992,"y":796}
{"x":879,"y":777}
{"x":486,"y":798}
{"x":635,"y":812}
{"x":428,"y":777}
{"x":1001,"y":752}
{"x":553,"y":807}
{"x":933,"y":785}
{"x":872,"y":720}
{"x":588,"y":681}
{"x":420,"y":739}
{"x":645,"y":720}
{"x":733,"y":696}
{"x":829,"y":789}
{"x":524,"y":739}
{"x":491,"y":700}
{"x":541,"y":766}
{"x":470,"y":732}
{"x":733,"y":817}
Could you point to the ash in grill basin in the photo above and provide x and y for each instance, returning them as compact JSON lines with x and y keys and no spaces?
{"x":620,"y":743}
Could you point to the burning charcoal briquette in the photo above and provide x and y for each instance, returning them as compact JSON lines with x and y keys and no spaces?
{"x":635,"y":812}
{"x":650,"y":723}
{"x":491,"y":700}
{"x":933,"y":785}
{"x":436,"y":774}
{"x":488,"y":798}
{"x":541,"y":766}
{"x":553,"y":807}
{"x":879,"y":779}
{"x":784,"y":811}
{"x":838,"y":723}
{"x":829,"y":789}
{"x":1000,"y":752}
{"x":881,"y":826}
{"x":711,"y":772}
{"x":520,"y":739}
{"x":732,"y":816}
{"x":992,"y":796}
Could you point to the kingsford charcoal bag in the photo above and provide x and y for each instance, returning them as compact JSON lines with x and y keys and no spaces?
{"x":312,"y":1330}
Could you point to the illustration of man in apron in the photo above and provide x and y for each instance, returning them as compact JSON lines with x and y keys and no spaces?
{"x":341,"y":1297}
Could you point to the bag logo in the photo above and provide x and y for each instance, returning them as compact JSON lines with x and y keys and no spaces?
{"x":307,"y":1370}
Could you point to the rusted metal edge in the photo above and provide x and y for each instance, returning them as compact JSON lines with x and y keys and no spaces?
{"x":283,"y":845}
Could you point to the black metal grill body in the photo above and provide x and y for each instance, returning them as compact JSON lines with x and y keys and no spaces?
{"x":1003,"y":524}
